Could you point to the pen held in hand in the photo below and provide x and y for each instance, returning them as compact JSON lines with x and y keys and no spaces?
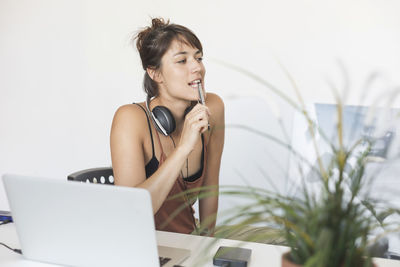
{"x":201,"y":94}
{"x":201,"y":97}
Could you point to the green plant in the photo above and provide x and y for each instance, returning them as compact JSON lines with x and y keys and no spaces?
{"x":331,"y":227}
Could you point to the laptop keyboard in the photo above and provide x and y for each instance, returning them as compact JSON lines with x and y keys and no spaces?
{"x":163,"y":260}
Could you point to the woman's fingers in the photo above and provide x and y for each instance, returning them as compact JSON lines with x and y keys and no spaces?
{"x":199,"y":123}
{"x":196,"y":122}
{"x":199,"y":112}
{"x":198,"y":117}
{"x":199,"y":108}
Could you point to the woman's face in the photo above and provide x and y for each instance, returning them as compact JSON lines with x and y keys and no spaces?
{"x":181,"y":69}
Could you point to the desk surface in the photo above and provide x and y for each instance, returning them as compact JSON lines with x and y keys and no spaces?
{"x":203,"y":248}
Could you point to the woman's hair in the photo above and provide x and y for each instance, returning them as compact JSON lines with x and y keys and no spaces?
{"x":152,"y":43}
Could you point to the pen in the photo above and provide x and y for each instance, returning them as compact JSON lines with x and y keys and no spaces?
{"x":201,"y":97}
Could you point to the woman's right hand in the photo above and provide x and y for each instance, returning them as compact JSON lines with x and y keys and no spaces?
{"x":196,"y":122}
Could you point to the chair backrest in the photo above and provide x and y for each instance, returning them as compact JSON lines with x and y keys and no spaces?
{"x":103,"y":175}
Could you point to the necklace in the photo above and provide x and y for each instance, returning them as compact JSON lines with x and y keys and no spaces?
{"x":186,"y":197}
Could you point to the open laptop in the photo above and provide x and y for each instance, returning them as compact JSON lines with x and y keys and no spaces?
{"x":81,"y":224}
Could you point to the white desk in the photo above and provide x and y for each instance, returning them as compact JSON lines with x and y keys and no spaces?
{"x":262,"y":254}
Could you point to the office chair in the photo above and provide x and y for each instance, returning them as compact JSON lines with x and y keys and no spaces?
{"x":102,"y":175}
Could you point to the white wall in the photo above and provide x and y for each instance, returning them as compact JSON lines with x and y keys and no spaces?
{"x":65,"y":66}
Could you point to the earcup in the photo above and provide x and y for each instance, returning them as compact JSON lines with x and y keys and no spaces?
{"x":164,"y":121}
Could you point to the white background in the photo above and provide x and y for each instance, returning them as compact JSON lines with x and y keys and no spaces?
{"x":66,"y":66}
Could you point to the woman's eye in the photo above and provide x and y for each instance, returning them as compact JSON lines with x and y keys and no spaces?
{"x":200,"y":59}
{"x":182,"y":61}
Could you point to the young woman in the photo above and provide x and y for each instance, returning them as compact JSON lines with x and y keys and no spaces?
{"x":189,"y":154}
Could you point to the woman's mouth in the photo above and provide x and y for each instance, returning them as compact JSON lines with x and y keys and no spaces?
{"x":194,"y":84}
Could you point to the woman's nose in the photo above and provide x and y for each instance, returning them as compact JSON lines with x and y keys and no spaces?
{"x":196,"y":66}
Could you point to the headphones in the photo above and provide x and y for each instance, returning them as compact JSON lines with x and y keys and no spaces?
{"x":163,"y":119}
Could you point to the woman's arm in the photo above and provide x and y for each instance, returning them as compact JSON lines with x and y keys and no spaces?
{"x":208,"y":206}
{"x":127,"y":153}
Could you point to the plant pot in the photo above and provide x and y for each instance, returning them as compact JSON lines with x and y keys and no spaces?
{"x":286,"y":262}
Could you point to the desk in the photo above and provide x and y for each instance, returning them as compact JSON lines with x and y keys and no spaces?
{"x":262,"y":254}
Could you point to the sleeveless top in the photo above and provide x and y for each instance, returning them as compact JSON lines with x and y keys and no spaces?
{"x":176,"y":214}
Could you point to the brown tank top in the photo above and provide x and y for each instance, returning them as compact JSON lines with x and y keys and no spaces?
{"x":176,"y":214}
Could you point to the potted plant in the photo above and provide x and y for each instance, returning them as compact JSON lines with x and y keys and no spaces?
{"x":331,"y":226}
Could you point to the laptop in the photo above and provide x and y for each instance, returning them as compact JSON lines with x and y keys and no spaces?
{"x":82,"y":224}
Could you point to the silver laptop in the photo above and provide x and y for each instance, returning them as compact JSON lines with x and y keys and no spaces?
{"x":81,"y":224}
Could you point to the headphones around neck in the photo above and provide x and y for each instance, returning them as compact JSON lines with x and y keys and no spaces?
{"x":163,"y":119}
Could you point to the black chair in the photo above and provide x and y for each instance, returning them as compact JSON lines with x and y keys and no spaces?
{"x":103,"y":175}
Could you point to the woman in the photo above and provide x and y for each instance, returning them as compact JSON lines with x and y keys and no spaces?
{"x":189,"y":157}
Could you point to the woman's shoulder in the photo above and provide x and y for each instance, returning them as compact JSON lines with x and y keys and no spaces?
{"x":130,"y":109}
{"x":217,"y":109}
{"x":131,"y":113}
{"x":215,"y":103}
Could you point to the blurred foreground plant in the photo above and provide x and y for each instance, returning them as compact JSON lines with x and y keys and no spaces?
{"x":328,"y":227}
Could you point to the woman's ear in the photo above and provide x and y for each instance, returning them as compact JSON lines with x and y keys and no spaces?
{"x":154,"y":75}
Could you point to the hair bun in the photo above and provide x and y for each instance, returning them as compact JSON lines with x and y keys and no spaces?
{"x":156,"y":23}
